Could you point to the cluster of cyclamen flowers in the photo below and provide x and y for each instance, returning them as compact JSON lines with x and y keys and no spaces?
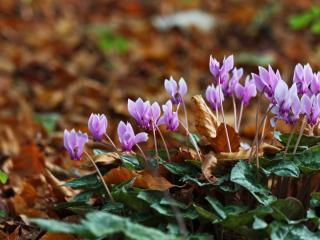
{"x":288,"y":104}
{"x":147,"y":115}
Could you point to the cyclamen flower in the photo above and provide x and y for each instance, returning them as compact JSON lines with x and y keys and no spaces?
{"x":286,"y":103}
{"x":214,"y":96}
{"x":246,"y":92}
{"x":221,"y":74}
{"x":311,"y":108}
{"x":169,"y":118}
{"x":127,"y":138}
{"x":74,"y":143}
{"x":229,"y":86}
{"x":176,"y":91}
{"x":97,"y":125}
{"x":302,"y":77}
{"x":143,"y":113}
{"x":315,"y":84}
{"x":267,"y":81}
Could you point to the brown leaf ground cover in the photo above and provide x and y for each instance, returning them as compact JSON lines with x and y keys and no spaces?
{"x":62,"y":60}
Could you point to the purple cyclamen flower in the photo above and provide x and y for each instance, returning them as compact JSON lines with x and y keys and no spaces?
{"x":74,"y":143}
{"x":144,"y":113}
{"x":302,"y":77}
{"x":311,"y":108}
{"x":127,"y":138}
{"x":97,"y":125}
{"x":315,"y":84}
{"x":169,"y":118}
{"x":246,"y":92}
{"x":267,"y":81}
{"x":229,"y":86}
{"x":176,"y":90}
{"x":214,"y":96}
{"x":286,"y":104}
{"x":221,"y":74}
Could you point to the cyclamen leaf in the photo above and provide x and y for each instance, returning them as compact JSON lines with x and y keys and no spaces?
{"x":103,"y":224}
{"x":245,"y":175}
{"x":305,"y":140}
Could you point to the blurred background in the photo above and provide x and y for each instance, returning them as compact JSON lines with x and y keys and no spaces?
{"x":61,"y":60}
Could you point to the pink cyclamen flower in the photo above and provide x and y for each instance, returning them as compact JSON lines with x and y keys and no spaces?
{"x":176,"y":90}
{"x":221,"y":74}
{"x":286,"y":104}
{"x":266,"y":81}
{"x":74,"y":143}
{"x":229,"y":86}
{"x":144,"y":113}
{"x":315,"y":84}
{"x":169,"y":118}
{"x":127,"y":138}
{"x":311,"y":108}
{"x":246,"y":92}
{"x":302,"y":77}
{"x":97,"y":125}
{"x":214,"y":96}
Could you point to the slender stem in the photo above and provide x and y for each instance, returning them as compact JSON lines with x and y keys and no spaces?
{"x":240,"y":117}
{"x":100,"y":176}
{"x":155,"y":139}
{"x":304,"y":123}
{"x":185,"y":114}
{"x":257,"y":130}
{"x":141,"y":151}
{"x":234,"y":111}
{"x":217,"y":113}
{"x":112,"y":143}
{"x":223,"y":118}
{"x":188,"y":134}
{"x":257,"y":120}
{"x":289,"y":139}
{"x":263,"y":128}
{"x":164,"y":142}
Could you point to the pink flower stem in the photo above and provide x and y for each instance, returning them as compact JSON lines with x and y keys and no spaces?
{"x":112,"y":143}
{"x":188,"y":134}
{"x":155,"y":139}
{"x":217,"y":114}
{"x":164,"y":142}
{"x":240,"y":117}
{"x":100,"y":176}
{"x":223,"y":118}
{"x":289,"y":140}
{"x":234,"y":112}
{"x":304,"y":123}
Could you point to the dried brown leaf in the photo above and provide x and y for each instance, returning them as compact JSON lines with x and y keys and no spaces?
{"x":206,"y":122}
{"x":208,"y":165}
{"x":220,"y":144}
{"x":55,"y":236}
{"x":107,"y":158}
{"x":143,"y":180}
{"x":60,"y":191}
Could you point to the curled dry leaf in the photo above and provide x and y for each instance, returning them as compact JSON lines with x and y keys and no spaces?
{"x":206,"y":122}
{"x":244,"y":154}
{"x":107,"y":158}
{"x":61,"y":192}
{"x":143,"y":180}
{"x":220,"y":144}
{"x":183,"y":154}
{"x":208,"y":165}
